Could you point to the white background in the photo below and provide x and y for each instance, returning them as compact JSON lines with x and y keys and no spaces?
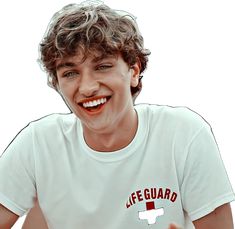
{"x":192,"y":63}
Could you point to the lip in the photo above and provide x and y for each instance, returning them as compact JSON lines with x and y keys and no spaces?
{"x":96,"y":111}
{"x":92,"y":99}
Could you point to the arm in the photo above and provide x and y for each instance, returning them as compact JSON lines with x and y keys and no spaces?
{"x":7,"y":218}
{"x":35,"y":219}
{"x":174,"y":226}
{"x":220,"y":218}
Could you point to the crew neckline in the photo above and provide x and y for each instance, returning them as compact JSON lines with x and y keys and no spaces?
{"x":123,"y":153}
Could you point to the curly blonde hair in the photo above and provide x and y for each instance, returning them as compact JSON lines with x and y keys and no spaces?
{"x":92,"y":28}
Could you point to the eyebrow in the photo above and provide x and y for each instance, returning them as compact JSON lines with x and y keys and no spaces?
{"x":72,"y":64}
{"x":65,"y":65}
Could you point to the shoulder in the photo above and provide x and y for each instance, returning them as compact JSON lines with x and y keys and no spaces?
{"x":53,"y":125}
{"x":172,"y":118}
{"x":54,"y":121}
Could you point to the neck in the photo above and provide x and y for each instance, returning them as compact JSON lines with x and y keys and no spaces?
{"x":116,"y":138}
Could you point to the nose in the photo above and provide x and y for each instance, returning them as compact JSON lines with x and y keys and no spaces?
{"x":88,"y":85}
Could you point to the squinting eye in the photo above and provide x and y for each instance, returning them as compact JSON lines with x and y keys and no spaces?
{"x":104,"y":66}
{"x":70,"y":74}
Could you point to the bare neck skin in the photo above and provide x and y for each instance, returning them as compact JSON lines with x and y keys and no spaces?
{"x":119,"y":136}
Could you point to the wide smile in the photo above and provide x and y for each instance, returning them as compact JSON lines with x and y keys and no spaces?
{"x":94,"y":105}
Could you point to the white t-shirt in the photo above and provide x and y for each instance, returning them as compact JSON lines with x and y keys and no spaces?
{"x":170,"y":172}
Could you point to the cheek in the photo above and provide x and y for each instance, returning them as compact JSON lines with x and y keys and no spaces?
{"x":122,"y":80}
{"x":66,"y":89}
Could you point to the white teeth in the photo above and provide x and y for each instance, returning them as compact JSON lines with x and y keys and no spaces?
{"x":94,"y":102}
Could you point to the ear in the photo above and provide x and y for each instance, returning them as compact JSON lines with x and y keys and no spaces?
{"x":135,"y":74}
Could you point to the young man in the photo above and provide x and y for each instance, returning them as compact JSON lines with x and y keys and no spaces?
{"x":111,"y":164}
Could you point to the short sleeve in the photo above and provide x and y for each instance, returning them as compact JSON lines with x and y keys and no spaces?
{"x":17,"y":177}
{"x":205,"y":185}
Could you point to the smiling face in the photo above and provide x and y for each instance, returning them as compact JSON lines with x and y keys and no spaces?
{"x":98,"y":91}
